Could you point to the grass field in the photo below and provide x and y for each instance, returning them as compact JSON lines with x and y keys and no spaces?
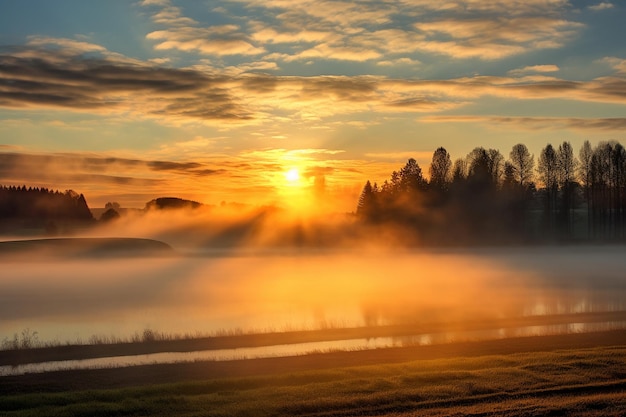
{"x":577,"y":374}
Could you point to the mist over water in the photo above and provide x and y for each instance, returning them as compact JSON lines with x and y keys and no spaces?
{"x":235,"y":289}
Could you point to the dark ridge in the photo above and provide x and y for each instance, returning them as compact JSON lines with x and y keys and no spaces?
{"x":162,"y":203}
{"x":34,"y":249}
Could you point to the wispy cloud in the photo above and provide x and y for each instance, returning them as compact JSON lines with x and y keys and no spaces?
{"x":489,"y":38}
{"x":216,"y":40}
{"x":534,"y":69}
{"x":420,"y":156}
{"x":537,"y":123}
{"x":618,"y":64}
{"x":364,"y":31}
{"x":34,"y":77}
{"x":601,"y":6}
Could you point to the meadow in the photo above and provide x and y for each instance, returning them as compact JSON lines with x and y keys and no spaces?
{"x":295,"y":298}
{"x":576,"y":374}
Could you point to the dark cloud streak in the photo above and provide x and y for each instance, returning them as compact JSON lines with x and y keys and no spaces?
{"x":36,"y":78}
{"x":76,"y":167}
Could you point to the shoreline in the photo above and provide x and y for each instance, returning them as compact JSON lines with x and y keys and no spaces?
{"x":141,"y":375}
{"x":174,"y":344}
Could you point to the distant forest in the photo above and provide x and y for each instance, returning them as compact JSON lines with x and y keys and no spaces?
{"x":485,"y":198}
{"x":41,"y":207}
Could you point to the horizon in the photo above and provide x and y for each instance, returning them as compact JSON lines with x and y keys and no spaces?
{"x":293,"y":104}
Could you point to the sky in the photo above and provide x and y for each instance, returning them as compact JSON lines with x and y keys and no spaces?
{"x":294,"y":103}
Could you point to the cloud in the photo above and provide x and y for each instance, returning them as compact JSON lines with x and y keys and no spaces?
{"x":216,"y":40}
{"x":420,"y":156}
{"x":97,"y":175}
{"x":537,"y":123}
{"x":102,"y":86}
{"x":155,"y":3}
{"x":461,"y":29}
{"x":534,"y":68}
{"x":172,"y":16}
{"x":254,"y":177}
{"x":362,"y":31}
{"x":489,"y":38}
{"x":62,"y":170}
{"x":184,"y":34}
{"x":617,"y":64}
{"x":399,"y":62}
{"x":270,"y":35}
{"x":81,"y":164}
{"x":339,"y":52}
{"x":601,"y":6}
{"x":65,"y":46}
{"x":41,"y":78}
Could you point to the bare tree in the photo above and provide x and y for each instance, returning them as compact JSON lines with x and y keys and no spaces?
{"x":548,"y":168}
{"x":509,"y":182}
{"x":584,"y":168}
{"x":522,"y":163}
{"x":585,"y":157}
{"x":496,"y":165}
{"x":566,"y":163}
{"x":548,"y":171}
{"x":479,"y":166}
{"x":459,"y":170}
{"x":440,"y":169}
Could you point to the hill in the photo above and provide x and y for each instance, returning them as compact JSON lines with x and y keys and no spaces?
{"x":163,"y":203}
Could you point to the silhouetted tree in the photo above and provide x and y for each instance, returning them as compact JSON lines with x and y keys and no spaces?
{"x":440,"y":169}
{"x":41,"y":208}
{"x":585,"y":156}
{"x":459,"y":171}
{"x":522,"y":163}
{"x":478,"y":163}
{"x":411,"y":178}
{"x":367,"y":202}
{"x":496,"y":165}
{"x":566,"y":166}
{"x":509,"y":182}
{"x":548,"y":171}
{"x":482,"y":198}
{"x":112,"y":205}
{"x":109,"y":215}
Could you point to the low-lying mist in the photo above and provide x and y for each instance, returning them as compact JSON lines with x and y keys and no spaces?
{"x":221,"y":280}
{"x":243,"y":228}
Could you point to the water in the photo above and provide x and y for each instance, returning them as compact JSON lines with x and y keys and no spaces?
{"x":72,"y":300}
{"x":296,"y":349}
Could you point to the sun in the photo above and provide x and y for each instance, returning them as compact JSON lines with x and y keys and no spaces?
{"x":292,"y":176}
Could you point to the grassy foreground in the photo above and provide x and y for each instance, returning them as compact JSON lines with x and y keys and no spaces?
{"x":521,"y":377}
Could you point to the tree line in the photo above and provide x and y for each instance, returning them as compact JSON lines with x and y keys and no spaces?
{"x":488,"y":198}
{"x":42,"y":204}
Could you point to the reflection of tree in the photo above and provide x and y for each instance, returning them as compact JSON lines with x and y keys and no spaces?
{"x":485,"y":198}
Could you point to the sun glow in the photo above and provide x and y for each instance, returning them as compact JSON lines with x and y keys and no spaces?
{"x":292,"y":176}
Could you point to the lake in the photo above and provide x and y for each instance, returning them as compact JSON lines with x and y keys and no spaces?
{"x":225,"y":292}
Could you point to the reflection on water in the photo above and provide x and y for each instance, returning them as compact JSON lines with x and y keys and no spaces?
{"x":307,"y":348}
{"x":75,"y":299}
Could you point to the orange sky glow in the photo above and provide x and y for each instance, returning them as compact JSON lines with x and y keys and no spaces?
{"x":293,"y":103}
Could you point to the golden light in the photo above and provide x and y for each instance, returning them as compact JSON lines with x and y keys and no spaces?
{"x":292,"y":176}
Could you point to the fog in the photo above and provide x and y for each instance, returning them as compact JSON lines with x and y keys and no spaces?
{"x":249,"y":269}
{"x":205,"y":289}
